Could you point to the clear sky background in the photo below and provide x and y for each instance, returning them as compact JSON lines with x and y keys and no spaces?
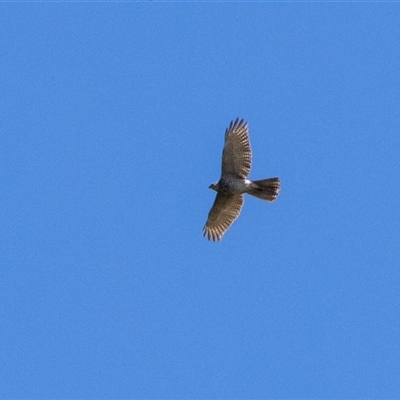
{"x":112,"y":123}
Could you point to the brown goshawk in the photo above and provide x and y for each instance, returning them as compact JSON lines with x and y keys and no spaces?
{"x":236,"y":163}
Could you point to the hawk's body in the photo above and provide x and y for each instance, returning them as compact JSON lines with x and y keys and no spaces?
{"x":236,"y":163}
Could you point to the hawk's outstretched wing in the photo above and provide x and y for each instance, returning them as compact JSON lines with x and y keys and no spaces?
{"x":225,"y":210}
{"x":236,"y":156}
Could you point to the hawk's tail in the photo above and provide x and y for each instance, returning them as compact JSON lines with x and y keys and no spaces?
{"x":265,"y":189}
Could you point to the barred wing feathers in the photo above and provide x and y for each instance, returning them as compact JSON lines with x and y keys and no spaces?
{"x":225,"y":210}
{"x":236,"y":155}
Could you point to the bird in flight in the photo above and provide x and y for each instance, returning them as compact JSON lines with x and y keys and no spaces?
{"x":236,"y":163}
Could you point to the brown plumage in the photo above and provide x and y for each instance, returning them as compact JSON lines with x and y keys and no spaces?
{"x":236,"y":155}
{"x":236,"y":163}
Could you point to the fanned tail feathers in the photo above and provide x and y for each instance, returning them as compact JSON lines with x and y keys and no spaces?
{"x":265,"y":189}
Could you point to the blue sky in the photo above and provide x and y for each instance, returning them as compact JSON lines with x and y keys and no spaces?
{"x":112,"y":123}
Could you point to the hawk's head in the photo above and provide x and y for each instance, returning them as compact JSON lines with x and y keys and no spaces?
{"x":214,"y":186}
